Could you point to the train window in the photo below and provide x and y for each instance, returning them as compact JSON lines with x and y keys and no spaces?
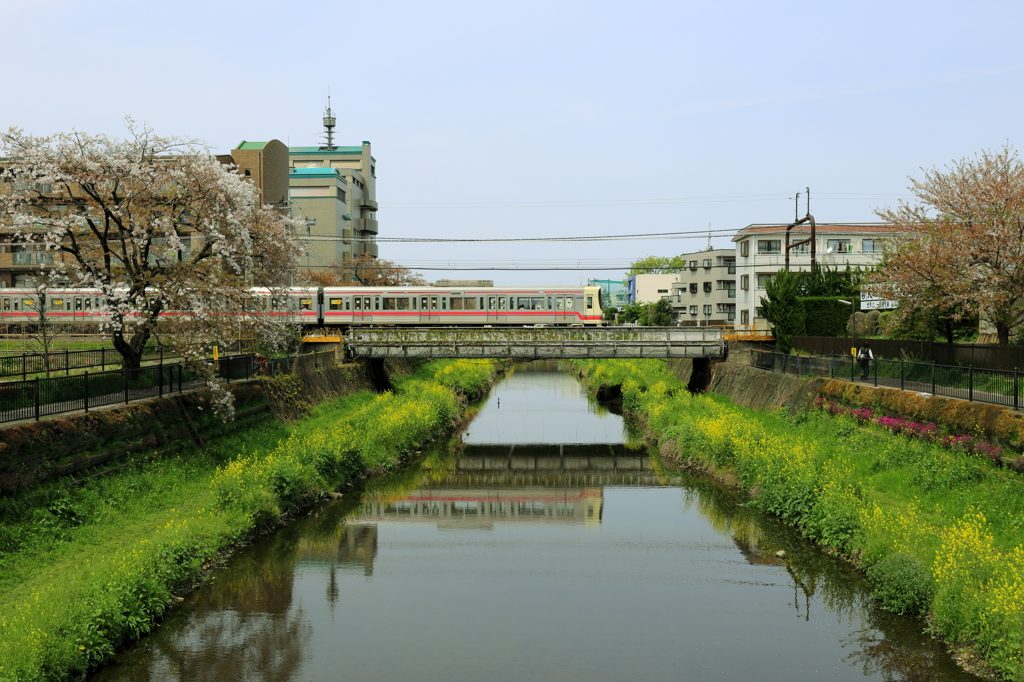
{"x":568,"y":302}
{"x":538,"y":303}
{"x":56,"y":303}
{"x":524,"y":303}
{"x":590,"y":302}
{"x":501,"y":303}
{"x":348,"y":303}
{"x":28,"y":302}
{"x":470,"y":303}
{"x":376,"y":304}
{"x":481,"y":303}
{"x":97,"y":306}
{"x":558,"y":302}
{"x":88,"y":303}
{"x":335,"y":304}
{"x":7,"y":303}
{"x":413,"y":299}
{"x":456,"y":303}
{"x":306,"y":303}
{"x":423,"y":303}
{"x":490,"y":302}
{"x":366,"y":303}
{"x":358,"y":303}
{"x":444,"y":303}
{"x":389,"y":303}
{"x":550,"y":307}
{"x":403,"y":303}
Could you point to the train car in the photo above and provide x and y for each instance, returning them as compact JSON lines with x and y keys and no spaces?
{"x":60,"y":305}
{"x":347,"y":306}
{"x":495,"y":306}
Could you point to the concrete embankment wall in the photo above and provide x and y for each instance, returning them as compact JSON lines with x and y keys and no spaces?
{"x":764,"y":390}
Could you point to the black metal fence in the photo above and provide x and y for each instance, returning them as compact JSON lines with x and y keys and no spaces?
{"x":64,"y":361}
{"x":977,"y":355}
{"x":41,"y":397}
{"x":998,"y":387}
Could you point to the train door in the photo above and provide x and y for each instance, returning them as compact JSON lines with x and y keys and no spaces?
{"x":497,"y":309}
{"x":362,"y":309}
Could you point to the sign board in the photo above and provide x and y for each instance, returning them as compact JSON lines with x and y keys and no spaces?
{"x":869,"y":302}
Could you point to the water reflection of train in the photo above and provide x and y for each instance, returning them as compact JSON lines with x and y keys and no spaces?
{"x":345,"y":306}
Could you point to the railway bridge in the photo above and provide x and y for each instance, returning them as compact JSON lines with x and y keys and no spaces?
{"x":535,"y":343}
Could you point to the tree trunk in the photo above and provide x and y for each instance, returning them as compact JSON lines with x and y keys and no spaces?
{"x":1003,"y":332}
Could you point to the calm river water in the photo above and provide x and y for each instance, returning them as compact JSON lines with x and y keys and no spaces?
{"x":538,"y":545}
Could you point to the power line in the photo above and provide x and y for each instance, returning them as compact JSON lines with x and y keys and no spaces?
{"x":689,"y":234}
{"x":848,"y":196}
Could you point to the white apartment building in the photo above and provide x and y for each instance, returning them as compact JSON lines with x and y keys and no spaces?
{"x":760,"y":253}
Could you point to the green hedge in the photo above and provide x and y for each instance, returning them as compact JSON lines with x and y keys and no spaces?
{"x":825,"y":315}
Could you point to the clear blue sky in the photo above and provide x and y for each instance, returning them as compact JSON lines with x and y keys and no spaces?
{"x":564,"y":102}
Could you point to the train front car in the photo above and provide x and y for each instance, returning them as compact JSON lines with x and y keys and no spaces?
{"x":471,"y":306}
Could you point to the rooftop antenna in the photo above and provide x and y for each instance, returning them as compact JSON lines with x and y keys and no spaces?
{"x":808,"y":201}
{"x":709,"y":235}
{"x":329,"y":123}
{"x":796,"y":207}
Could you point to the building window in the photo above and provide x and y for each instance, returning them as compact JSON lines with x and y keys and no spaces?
{"x":693,"y":265}
{"x":247,"y":172}
{"x":693,"y":287}
{"x":707,"y":309}
{"x":744,"y":281}
{"x":759,"y":312}
{"x":870,"y":246}
{"x":744,"y":317}
{"x":769,"y":246}
{"x":693,"y":310}
{"x":839,"y":246}
{"x":762,"y":280}
{"x":745,"y":248}
{"x":802,"y":248}
{"x":662,"y":291}
{"x":707,"y":287}
{"x":707,"y":263}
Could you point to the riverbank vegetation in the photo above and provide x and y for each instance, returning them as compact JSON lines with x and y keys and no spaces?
{"x":938,"y":528}
{"x":96,"y":565}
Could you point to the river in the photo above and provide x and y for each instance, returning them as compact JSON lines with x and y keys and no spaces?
{"x":543,"y":543}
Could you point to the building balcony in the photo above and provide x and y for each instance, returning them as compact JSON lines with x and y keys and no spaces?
{"x":368,"y":203}
{"x":367,"y":225}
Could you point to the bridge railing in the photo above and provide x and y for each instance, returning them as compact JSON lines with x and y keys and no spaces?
{"x":535,"y":342}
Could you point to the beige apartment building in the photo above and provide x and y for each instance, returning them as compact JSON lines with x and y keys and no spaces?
{"x":704,"y":293}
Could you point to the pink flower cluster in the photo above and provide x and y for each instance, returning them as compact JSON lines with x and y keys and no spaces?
{"x":914,"y":429}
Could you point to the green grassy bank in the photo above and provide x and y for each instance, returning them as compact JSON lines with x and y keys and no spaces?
{"x":94,"y":566}
{"x":938,"y":530}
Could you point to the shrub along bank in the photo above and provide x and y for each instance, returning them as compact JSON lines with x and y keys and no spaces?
{"x":116,"y":550}
{"x":939,"y":530}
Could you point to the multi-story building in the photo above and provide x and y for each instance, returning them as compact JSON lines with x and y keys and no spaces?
{"x":649,"y":288}
{"x":760,"y":253}
{"x":704,"y":293}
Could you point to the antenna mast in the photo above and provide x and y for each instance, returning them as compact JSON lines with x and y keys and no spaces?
{"x":329,"y":123}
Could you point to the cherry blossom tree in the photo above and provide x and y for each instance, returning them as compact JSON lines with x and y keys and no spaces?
{"x":960,"y":247}
{"x":172,"y":238}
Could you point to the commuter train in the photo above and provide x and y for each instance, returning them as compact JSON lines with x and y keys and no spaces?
{"x":318,"y":307}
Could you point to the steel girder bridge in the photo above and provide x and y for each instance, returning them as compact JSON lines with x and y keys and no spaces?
{"x":535,"y":343}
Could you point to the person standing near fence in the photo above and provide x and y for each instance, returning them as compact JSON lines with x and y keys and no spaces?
{"x":864,"y":357}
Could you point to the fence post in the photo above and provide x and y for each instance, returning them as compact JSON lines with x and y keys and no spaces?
{"x":85,"y":386}
{"x":875,"y":364}
{"x":901,"y":374}
{"x":970,"y":381}
{"x":933,"y":377}
{"x":103,"y":359}
{"x":832,"y":366}
{"x":160,"y":380}
{"x":24,"y":367}
{"x":35,"y":391}
{"x":124,"y":373}
{"x":161,"y":359}
{"x":67,"y":363}
{"x":1016,"y":382}
{"x":179,"y":377}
